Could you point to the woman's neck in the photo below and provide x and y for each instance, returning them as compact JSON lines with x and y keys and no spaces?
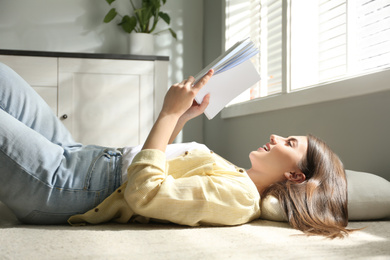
{"x":258,"y":180}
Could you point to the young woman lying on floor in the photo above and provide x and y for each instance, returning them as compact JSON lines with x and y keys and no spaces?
{"x":48,"y":178}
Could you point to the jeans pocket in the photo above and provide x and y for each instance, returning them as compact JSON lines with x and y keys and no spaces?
{"x":98,"y":173}
{"x":103,"y":173}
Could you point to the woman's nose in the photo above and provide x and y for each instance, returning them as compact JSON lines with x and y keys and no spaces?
{"x":275,"y":139}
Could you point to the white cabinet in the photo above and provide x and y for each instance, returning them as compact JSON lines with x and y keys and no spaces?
{"x":115,"y":97}
{"x":108,"y":102}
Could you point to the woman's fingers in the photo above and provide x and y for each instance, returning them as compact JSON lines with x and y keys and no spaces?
{"x":186,"y":82}
{"x":205,"y":102}
{"x":179,"y":97}
{"x":190,"y":81}
{"x":204,"y":80}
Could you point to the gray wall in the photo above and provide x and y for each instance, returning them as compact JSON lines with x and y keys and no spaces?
{"x":357,"y":129}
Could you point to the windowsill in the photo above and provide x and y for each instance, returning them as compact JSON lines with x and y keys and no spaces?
{"x":358,"y":86}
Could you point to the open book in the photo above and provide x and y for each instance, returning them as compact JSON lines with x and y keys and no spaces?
{"x":233,"y":74}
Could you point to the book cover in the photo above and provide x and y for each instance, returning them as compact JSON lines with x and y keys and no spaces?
{"x":233,"y":74}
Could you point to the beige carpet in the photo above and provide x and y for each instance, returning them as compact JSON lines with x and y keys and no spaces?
{"x":258,"y":240}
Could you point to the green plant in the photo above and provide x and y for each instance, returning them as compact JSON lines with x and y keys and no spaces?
{"x":144,"y":19}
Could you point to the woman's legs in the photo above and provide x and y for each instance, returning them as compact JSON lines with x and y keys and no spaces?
{"x":19,"y":100}
{"x":27,"y":160}
{"x":44,"y":175}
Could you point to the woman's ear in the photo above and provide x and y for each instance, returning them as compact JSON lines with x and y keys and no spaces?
{"x":297,"y":177}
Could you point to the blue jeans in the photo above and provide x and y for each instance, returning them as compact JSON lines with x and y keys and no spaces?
{"x":45,"y":176}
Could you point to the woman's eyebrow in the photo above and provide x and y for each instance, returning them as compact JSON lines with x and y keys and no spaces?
{"x":295,"y":140}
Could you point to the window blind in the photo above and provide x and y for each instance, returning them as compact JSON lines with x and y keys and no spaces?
{"x":243,"y":21}
{"x":346,"y":38}
{"x":332,"y":38}
{"x":272,"y":20}
{"x":373,"y":22}
{"x":261,"y":20}
{"x":328,"y":40}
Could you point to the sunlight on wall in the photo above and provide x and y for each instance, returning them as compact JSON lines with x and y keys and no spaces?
{"x":166,"y":45}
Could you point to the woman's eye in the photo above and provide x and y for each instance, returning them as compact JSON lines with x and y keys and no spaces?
{"x":289,"y":142}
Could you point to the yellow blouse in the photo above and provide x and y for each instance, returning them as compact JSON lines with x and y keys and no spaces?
{"x":198,"y":188}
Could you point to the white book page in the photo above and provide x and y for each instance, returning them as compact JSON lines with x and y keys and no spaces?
{"x":224,"y":87}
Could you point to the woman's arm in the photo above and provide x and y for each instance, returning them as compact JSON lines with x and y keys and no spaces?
{"x":194,"y":111}
{"x":176,"y":111}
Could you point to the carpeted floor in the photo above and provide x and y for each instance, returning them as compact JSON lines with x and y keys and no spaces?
{"x":258,"y":240}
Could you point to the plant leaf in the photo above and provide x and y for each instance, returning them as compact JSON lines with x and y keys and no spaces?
{"x":128,"y":23}
{"x":144,"y":15}
{"x":110,"y":1}
{"x":173,"y":33}
{"x":165,"y":17}
{"x":110,"y":15}
{"x":156,"y":4}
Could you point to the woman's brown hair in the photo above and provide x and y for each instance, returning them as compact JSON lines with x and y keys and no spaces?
{"x":318,"y":205}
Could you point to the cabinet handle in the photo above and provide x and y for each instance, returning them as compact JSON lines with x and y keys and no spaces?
{"x":65,"y":116}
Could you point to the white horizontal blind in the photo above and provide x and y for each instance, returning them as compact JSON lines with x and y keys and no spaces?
{"x":329,"y":40}
{"x":373,"y":30}
{"x":332,"y":39}
{"x":272,"y":38}
{"x":345,"y":38}
{"x":243,"y":21}
{"x":261,"y":20}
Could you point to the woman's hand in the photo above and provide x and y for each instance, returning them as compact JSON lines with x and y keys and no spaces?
{"x":177,"y":109}
{"x":179,"y":99}
{"x":196,"y":109}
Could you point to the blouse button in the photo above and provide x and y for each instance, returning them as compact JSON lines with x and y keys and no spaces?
{"x":96,"y":210}
{"x":241,"y":170}
{"x":186,"y":153}
{"x":119,"y":191}
{"x":211,"y":151}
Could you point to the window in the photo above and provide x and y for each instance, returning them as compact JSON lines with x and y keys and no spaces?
{"x":338,"y":39}
{"x":307,"y":43}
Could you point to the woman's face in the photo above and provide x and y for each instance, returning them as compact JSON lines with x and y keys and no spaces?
{"x":279,"y":158}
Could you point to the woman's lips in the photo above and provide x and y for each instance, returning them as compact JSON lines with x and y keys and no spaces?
{"x":265,"y":147}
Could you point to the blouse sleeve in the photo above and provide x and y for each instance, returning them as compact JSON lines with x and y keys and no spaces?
{"x":203,"y":198}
